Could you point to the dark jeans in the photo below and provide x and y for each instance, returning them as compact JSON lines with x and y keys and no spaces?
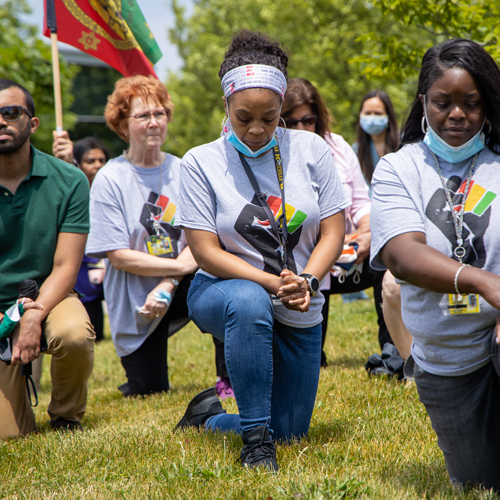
{"x":465,"y":413}
{"x":146,"y":368}
{"x":96,"y":315}
{"x":369,"y":277}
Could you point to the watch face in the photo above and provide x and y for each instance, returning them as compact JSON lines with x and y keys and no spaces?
{"x":314,"y":284}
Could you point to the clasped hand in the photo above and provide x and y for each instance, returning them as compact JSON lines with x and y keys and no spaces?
{"x":294,"y":292}
{"x":27,"y":334}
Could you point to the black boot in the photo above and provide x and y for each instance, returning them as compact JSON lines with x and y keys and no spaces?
{"x":258,"y":449}
{"x":204,"y":405}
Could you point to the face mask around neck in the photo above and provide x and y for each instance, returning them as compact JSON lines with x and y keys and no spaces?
{"x":449,"y":153}
{"x":233,"y":139}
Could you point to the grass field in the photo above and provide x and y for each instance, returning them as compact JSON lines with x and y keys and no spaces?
{"x":369,"y":438}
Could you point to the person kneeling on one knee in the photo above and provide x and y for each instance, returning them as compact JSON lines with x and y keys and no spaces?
{"x":257,"y":288}
{"x":45,"y":220}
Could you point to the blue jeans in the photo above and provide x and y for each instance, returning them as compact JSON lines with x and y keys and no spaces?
{"x":273,"y":368}
{"x":464,"y":413}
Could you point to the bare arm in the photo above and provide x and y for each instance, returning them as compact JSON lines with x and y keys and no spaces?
{"x":409,"y":258}
{"x":329,"y":247}
{"x":213,"y":259}
{"x":324,"y":255}
{"x":67,"y":260}
{"x":143,"y":264}
{"x":290,"y":289}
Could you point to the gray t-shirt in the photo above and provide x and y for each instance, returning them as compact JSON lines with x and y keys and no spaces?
{"x":217,"y":196}
{"x":121,"y":205}
{"x":408,"y":196}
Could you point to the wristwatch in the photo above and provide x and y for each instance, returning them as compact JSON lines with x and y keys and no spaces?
{"x":312,"y":283}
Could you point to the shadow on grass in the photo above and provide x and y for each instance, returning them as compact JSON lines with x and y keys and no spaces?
{"x":330,"y":431}
{"x":431,"y":480}
{"x":347,"y":362}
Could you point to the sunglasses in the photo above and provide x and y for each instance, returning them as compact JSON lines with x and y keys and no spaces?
{"x":13,"y":113}
{"x":306,"y":120}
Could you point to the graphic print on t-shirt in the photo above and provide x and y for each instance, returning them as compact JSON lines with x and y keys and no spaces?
{"x":253,"y":225}
{"x":163,"y":210}
{"x":477,"y":213}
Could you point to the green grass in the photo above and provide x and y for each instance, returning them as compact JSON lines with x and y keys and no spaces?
{"x":369,"y":438}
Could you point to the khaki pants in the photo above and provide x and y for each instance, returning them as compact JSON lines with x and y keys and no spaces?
{"x":70,"y":338}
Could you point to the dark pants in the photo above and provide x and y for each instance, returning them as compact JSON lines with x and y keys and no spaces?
{"x":369,"y":278}
{"x":464,"y":413}
{"x":146,"y":368}
{"x":96,"y":315}
{"x":220,"y":361}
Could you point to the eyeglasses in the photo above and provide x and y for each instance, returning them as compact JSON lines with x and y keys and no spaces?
{"x":13,"y":113}
{"x":306,"y":120}
{"x":146,"y":117}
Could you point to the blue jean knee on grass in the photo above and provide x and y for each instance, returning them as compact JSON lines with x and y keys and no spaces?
{"x":464,"y":413}
{"x":273,"y":368}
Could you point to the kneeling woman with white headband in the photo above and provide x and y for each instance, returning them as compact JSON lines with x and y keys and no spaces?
{"x":258,"y":283}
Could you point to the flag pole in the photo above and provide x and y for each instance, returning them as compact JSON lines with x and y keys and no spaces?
{"x":56,"y":75}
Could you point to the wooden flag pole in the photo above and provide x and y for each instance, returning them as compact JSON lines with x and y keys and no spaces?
{"x":57,"y":82}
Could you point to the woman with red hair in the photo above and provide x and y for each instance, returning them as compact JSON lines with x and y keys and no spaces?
{"x":133,"y":206}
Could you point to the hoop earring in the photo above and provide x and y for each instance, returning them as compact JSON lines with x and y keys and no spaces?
{"x":422,"y":125}
{"x":489,"y":130}
{"x":224,"y":120}
{"x":284,"y":133}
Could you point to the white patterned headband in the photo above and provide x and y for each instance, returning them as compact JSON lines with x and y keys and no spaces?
{"x":254,"y":76}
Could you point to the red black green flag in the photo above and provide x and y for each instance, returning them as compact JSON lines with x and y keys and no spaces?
{"x":113,"y":31}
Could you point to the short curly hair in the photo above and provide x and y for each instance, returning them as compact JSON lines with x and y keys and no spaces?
{"x":251,"y":47}
{"x":147,"y":88}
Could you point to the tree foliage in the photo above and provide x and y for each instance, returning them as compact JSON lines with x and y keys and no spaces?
{"x":323,"y":37}
{"x":437,"y":21}
{"x":26,"y":59}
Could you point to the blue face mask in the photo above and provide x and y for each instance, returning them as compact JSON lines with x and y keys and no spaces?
{"x":449,"y":153}
{"x":373,"y":124}
{"x":228,"y":133}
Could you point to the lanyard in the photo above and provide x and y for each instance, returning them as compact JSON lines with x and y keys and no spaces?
{"x":281,"y":231}
{"x":458,"y":218}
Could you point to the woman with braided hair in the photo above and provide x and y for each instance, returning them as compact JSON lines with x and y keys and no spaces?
{"x":261,"y":258}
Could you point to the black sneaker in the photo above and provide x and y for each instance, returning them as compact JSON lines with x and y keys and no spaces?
{"x":62,"y":424}
{"x":204,"y":405}
{"x":124,"y":389}
{"x":258,"y":449}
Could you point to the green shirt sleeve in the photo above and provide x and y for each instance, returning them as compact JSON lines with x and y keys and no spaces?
{"x":76,"y":218}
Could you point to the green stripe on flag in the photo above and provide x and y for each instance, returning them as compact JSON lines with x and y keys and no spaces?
{"x":484,"y":203}
{"x":133,"y":16}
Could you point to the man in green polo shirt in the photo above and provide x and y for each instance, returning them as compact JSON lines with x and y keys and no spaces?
{"x":44,"y":223}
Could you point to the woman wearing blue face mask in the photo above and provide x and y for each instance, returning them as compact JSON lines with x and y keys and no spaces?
{"x":258,"y":285}
{"x":435,"y":219}
{"x":377,"y":135}
{"x":377,"y":132}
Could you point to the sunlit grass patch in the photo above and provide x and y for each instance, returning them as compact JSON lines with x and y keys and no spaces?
{"x":369,"y":438}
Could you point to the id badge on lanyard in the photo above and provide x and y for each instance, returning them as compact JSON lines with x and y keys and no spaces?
{"x":459,"y":303}
{"x":160,"y":245}
{"x":463,"y":304}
